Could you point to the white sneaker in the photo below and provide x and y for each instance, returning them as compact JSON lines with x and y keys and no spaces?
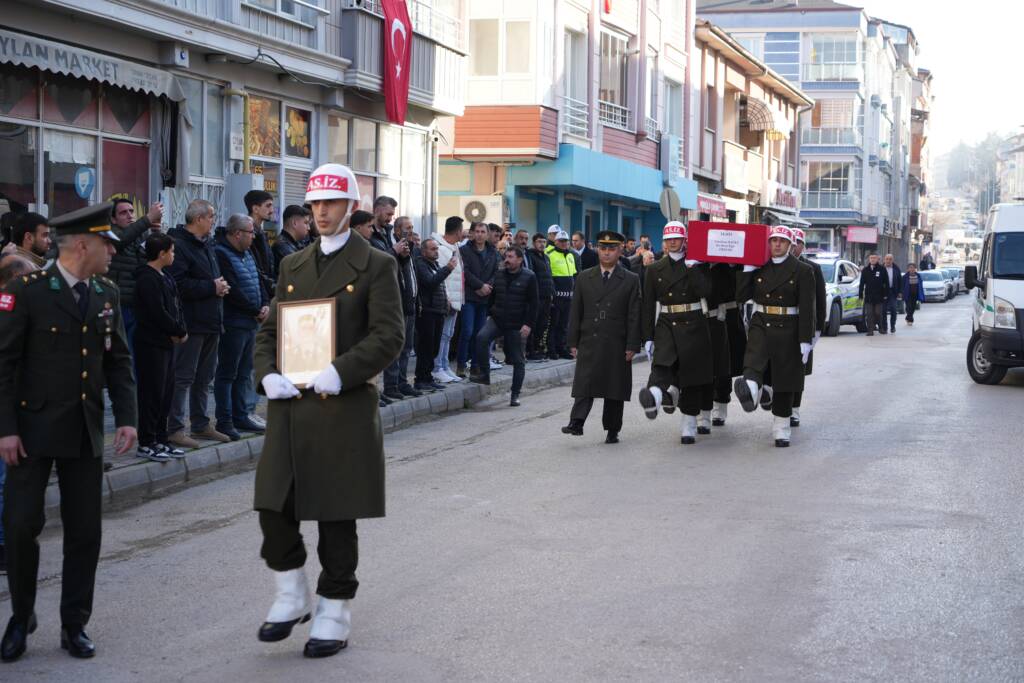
{"x":257,"y":420}
{"x":495,"y":365}
{"x":452,"y":377}
{"x":441,"y":378}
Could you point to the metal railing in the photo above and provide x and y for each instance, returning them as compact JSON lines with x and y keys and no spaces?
{"x":828,"y":200}
{"x":613,"y":115}
{"x":426,"y":20}
{"x":830,"y":136}
{"x":575,"y":118}
{"x":846,"y":71}
{"x":651,"y":127}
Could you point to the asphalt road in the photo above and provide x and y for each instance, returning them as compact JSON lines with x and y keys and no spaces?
{"x":885,"y":544}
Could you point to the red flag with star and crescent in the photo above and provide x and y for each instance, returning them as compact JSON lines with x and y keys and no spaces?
{"x":397,"y":54}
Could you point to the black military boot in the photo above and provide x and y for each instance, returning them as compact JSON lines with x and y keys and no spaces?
{"x":575,"y":427}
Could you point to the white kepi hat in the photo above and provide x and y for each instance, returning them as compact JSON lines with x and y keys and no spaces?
{"x":553,"y":229}
{"x":781,"y":231}
{"x":673,"y":230}
{"x":332,"y":181}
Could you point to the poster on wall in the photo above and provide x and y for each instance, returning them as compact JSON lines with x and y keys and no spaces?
{"x":265,"y":127}
{"x":296,"y":132}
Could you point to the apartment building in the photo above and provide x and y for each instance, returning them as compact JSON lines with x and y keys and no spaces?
{"x":746,"y":141}
{"x":855,"y":142}
{"x":920,"y":158}
{"x":575,"y":115}
{"x":179,"y":99}
{"x":1010,"y":168}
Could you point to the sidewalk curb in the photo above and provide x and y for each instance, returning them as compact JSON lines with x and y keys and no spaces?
{"x":136,"y":481}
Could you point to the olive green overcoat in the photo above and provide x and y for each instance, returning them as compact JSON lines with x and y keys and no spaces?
{"x":331,"y":449}
{"x":681,"y":340}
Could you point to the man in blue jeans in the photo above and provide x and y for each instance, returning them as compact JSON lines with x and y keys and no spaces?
{"x":479,"y":267}
{"x":245,"y":307}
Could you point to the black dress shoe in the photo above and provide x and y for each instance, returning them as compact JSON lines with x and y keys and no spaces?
{"x":74,"y":640}
{"x":648,"y":403}
{"x":687,"y":440}
{"x":794,"y":421}
{"x":385,"y":401}
{"x":514,"y":402}
{"x":394,"y":394}
{"x":717,"y":422}
{"x":613,"y":437}
{"x":566,"y":356}
{"x":574,"y":427}
{"x":704,"y":430}
{"x":742,"y":391}
{"x":16,"y":638}
{"x":408,"y":390}
{"x":323,"y":648}
{"x":479,"y":378}
{"x":273,"y":631}
{"x":782,"y":443}
{"x":248,"y":426}
{"x":229,"y":431}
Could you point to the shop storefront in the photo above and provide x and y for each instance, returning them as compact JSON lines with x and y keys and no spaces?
{"x":711,"y":207}
{"x":77,"y":127}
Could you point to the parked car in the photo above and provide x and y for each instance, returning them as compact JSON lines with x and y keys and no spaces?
{"x":956,"y":278}
{"x":936,"y":286}
{"x":842,"y":279}
{"x":997,"y":300}
{"x":950,"y":283}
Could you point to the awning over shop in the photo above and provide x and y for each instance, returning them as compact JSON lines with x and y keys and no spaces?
{"x":787,"y":218}
{"x":763,"y":116}
{"x":713,"y":205}
{"x":47,"y":55}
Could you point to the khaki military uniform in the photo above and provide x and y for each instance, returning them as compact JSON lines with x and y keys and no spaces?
{"x":54,"y":365}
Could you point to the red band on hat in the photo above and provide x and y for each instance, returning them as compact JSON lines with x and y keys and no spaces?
{"x":6,"y":302}
{"x":327,"y":182}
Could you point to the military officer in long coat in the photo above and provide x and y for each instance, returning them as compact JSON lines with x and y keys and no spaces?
{"x":61,"y":341}
{"x":819,"y":315}
{"x":323,"y":455}
{"x":683,"y":351}
{"x":781,"y":330}
{"x":604,"y":335}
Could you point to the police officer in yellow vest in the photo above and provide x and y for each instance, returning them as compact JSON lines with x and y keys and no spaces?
{"x":61,"y":342}
{"x":563,"y":272}
{"x":781,"y":330}
{"x":679,"y":335}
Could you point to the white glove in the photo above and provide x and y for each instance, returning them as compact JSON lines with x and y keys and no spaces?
{"x":649,"y":348}
{"x":805,"y":351}
{"x":814,"y":342}
{"x":279,"y":387}
{"x":749,"y":269}
{"x":690,"y":263}
{"x":327,"y":382}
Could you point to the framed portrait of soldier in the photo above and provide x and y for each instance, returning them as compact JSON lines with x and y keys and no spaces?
{"x":305,"y":339}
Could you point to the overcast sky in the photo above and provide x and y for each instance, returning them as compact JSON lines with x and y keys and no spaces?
{"x":974,"y":50}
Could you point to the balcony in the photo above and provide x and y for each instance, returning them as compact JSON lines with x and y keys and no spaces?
{"x":829,"y":201}
{"x":614,"y":115}
{"x":734,"y":173}
{"x":831,"y":136}
{"x":438,"y":62}
{"x":755,"y":170}
{"x":833,"y":73}
{"x":651,"y":128}
{"x":575,"y":118}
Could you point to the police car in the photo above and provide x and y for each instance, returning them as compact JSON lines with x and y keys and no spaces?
{"x":842,"y":279}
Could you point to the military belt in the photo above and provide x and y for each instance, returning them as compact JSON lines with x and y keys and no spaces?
{"x":720,"y":310}
{"x":776,"y":310}
{"x":681,"y":308}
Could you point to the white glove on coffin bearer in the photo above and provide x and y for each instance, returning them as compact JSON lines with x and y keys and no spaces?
{"x":805,"y":351}
{"x":327,"y":382}
{"x":279,"y":387}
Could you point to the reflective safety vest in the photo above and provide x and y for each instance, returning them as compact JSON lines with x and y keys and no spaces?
{"x":562,"y":264}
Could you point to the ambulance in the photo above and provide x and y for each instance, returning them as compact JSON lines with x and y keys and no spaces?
{"x":996,"y":287}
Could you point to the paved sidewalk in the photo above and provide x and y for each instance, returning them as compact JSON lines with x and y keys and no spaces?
{"x":133,"y":478}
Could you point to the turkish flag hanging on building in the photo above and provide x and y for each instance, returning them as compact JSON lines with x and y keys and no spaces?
{"x":397,"y":54}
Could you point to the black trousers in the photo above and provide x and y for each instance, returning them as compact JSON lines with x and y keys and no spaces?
{"x":428,"y":342}
{"x":798,"y":398}
{"x":513,"y":342}
{"x":81,"y":500}
{"x":782,"y":403}
{"x":559,"y":328}
{"x":611,"y":416}
{"x":698,"y":398}
{"x":154,"y":368}
{"x":723,"y":389}
{"x":874,"y":316}
{"x":911,"y":307}
{"x":338,"y":550}
{"x":535,"y":343}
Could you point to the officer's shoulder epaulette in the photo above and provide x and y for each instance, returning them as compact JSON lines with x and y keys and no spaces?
{"x":35,"y":277}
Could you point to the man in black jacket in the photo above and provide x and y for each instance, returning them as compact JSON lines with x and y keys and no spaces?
{"x":588,"y":257}
{"x":894,"y":280}
{"x":260,"y":207}
{"x":129,"y":254}
{"x":479,"y":267}
{"x":513,"y":307}
{"x":874,"y":290}
{"x":201,"y":287}
{"x":293,"y":235}
{"x":433,"y":305}
{"x":541,"y":267}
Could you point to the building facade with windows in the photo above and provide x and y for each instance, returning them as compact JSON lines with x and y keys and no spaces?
{"x":746,"y":137}
{"x":575,"y":115}
{"x":855,"y":143}
{"x":182,"y":99}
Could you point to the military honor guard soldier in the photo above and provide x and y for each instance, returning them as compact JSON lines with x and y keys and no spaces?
{"x":323,"y":454}
{"x":61,"y":341}
{"x":781,"y":330}
{"x":819,"y":315}
{"x":604,"y":335}
{"x":683,"y":352}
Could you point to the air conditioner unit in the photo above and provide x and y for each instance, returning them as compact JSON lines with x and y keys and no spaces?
{"x":488,"y":208}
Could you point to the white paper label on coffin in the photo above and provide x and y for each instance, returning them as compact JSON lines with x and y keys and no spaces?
{"x":726,"y":243}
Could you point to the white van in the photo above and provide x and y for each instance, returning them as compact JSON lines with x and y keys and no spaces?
{"x":997,"y":339}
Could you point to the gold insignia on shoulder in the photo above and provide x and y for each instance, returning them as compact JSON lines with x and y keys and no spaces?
{"x":350,"y":288}
{"x":291,"y":288}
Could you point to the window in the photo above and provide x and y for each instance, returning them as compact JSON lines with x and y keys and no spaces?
{"x":754,"y":44}
{"x":18,"y":147}
{"x":287,"y":8}
{"x":483,"y":42}
{"x":832,"y":114}
{"x":337,"y":140}
{"x":213,"y":132}
{"x":829,"y":176}
{"x":19,"y":93}
{"x":64,"y":157}
{"x":70,"y":101}
{"x":390,"y":150}
{"x":614,"y":68}
{"x":298,"y":140}
{"x":833,"y":49}
{"x":673,"y":108}
{"x":364,"y":145}
{"x":517,"y":47}
{"x":264,"y":127}
{"x":710,"y":107}
{"x":576,"y":66}
{"x":652,"y":84}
